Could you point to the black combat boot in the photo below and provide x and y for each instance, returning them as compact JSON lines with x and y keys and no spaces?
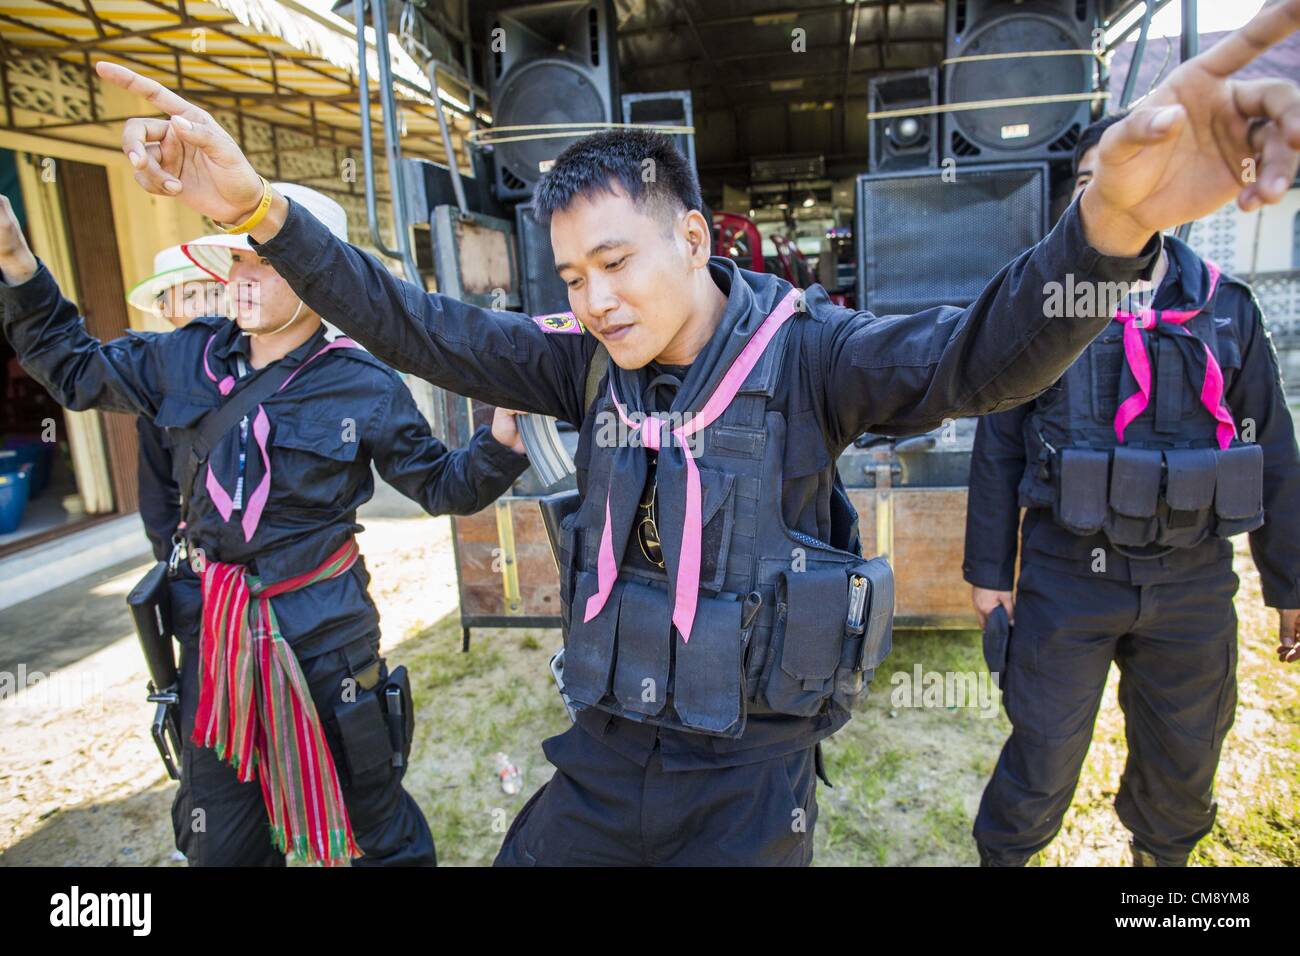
{"x":1143,"y":857}
{"x":987,"y":859}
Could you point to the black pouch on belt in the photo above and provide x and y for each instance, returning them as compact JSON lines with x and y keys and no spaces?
{"x":399,"y":711}
{"x":361,"y":719}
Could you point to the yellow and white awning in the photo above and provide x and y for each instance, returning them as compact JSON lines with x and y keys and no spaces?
{"x":273,"y":62}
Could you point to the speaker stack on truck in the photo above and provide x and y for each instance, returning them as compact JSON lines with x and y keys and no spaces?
{"x":951,"y":195}
{"x":552,"y":66}
{"x":548,"y":65}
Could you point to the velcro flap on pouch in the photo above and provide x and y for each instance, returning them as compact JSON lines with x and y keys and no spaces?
{"x":1135,"y":481}
{"x":817,"y":605}
{"x":1239,"y":491}
{"x":1084,"y":473}
{"x":1190,"y":476}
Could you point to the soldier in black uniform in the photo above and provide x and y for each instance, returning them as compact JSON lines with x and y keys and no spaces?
{"x":1134,"y":470}
{"x":712,"y":654}
{"x":286,"y":711}
{"x":177,"y":292}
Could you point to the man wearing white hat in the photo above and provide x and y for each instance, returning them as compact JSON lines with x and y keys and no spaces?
{"x":228,"y":257}
{"x":275,"y":426}
{"x":178,"y":290}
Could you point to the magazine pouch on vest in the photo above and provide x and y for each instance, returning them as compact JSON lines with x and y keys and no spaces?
{"x":1163,"y":475}
{"x":811,"y":610}
{"x":1082,"y":474}
{"x":834,"y":627}
{"x":869,"y":630}
{"x":1134,"y":491}
{"x":1239,"y":490}
{"x":1190,"y":477}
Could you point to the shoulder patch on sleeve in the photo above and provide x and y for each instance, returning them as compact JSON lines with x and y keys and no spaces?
{"x":565,"y":322}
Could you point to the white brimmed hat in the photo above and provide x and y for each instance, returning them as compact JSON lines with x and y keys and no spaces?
{"x":170,"y":267}
{"x":212,"y":253}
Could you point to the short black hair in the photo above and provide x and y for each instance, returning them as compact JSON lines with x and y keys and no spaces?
{"x":1091,"y":136}
{"x":595,"y":163}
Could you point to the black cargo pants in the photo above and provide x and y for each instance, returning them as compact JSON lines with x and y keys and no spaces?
{"x":602,"y":809}
{"x":219,"y":821}
{"x":1176,"y":648}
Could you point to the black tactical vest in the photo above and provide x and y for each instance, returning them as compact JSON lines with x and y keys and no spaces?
{"x":785,"y":623}
{"x":1169,"y":484}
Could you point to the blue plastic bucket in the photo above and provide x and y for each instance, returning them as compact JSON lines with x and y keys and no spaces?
{"x":33,"y":451}
{"x":14,"y":487}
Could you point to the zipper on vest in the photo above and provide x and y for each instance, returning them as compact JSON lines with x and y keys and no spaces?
{"x":806,"y":539}
{"x":1045,"y":457}
{"x":753,"y":602}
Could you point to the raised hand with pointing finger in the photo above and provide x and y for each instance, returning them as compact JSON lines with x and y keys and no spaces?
{"x":188,"y":155}
{"x":1201,"y":139}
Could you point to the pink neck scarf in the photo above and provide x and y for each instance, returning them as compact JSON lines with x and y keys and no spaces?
{"x":1135,"y":352}
{"x":651,"y":430}
{"x":256,"y":502}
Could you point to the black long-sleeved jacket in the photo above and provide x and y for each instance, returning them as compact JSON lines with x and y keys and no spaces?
{"x":1253,"y":393}
{"x":343,"y":411}
{"x":160,"y":497}
{"x":857,"y":372}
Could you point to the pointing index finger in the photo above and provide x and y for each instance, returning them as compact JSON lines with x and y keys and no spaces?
{"x":145,"y":88}
{"x":1267,"y":28}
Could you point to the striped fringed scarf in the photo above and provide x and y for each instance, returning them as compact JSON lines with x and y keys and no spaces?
{"x":256,"y":711}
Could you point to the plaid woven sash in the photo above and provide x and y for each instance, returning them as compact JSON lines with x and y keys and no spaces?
{"x":256,"y":711}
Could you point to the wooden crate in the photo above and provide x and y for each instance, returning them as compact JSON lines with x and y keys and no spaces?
{"x":508,"y":576}
{"x":925,"y":548}
{"x":505,"y":568}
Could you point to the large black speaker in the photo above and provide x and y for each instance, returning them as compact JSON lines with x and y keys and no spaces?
{"x":668,"y":108}
{"x":923,"y":241}
{"x":902,"y":142}
{"x":428,"y":184}
{"x":1039,"y":131}
{"x":543,"y":289}
{"x":548,"y":63}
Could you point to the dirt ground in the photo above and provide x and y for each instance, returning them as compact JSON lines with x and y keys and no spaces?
{"x":80,"y":782}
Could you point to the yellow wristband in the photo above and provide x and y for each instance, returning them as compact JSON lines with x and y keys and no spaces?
{"x":258,"y":214}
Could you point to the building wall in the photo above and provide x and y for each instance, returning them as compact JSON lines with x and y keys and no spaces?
{"x":1263,"y":248}
{"x":49,"y":91}
{"x":1245,"y":243}
{"x":46,"y":91}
